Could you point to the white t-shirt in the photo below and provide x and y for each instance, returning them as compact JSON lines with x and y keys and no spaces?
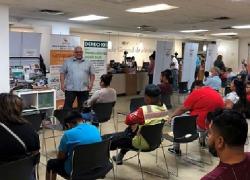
{"x":104,"y":95}
{"x":175,"y":62}
{"x":232,"y":96}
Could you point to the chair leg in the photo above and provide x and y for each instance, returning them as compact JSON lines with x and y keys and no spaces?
{"x":44,"y":144}
{"x":113,"y":168}
{"x":165,"y":160}
{"x":176,"y":163}
{"x":37,"y":171}
{"x":156,"y":156}
{"x":54,"y":139}
{"x":139,"y":162}
{"x":100,"y":128}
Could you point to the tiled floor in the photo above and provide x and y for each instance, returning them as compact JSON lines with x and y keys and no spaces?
{"x":188,"y":169}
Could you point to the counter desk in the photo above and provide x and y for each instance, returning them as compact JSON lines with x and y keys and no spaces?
{"x":129,"y":84}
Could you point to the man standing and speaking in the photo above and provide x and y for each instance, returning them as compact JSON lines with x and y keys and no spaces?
{"x":77,"y":79}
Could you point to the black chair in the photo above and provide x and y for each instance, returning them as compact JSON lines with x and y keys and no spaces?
{"x":166,"y":99}
{"x":19,"y":169}
{"x":91,"y":161}
{"x":103,"y":113}
{"x":135,"y":103}
{"x":184,"y":131}
{"x":153,"y":136}
{"x":35,"y":118}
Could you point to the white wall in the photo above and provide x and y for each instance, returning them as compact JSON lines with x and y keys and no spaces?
{"x":243,"y":49}
{"x":229,"y":49}
{"x":4,"y":49}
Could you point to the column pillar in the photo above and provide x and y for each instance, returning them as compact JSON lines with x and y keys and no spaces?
{"x":4,"y":49}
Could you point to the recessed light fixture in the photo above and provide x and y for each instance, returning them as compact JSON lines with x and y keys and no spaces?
{"x":225,"y":34}
{"x":152,"y":8}
{"x":194,"y":31}
{"x":90,"y":17}
{"x":242,"y":27}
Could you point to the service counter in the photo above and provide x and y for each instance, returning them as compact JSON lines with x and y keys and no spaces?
{"x":129,"y":84}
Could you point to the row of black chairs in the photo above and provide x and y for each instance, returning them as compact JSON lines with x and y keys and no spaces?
{"x":93,"y":161}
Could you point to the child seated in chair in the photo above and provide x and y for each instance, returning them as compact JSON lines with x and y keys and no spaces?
{"x":150,"y":114}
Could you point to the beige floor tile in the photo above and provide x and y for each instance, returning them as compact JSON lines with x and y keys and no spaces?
{"x":129,"y":170}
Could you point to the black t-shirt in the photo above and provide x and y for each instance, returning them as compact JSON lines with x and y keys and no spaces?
{"x":10,"y":148}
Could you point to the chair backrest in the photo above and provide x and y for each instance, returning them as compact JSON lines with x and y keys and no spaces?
{"x":135,"y":103}
{"x":184,"y":129}
{"x":103,"y":111}
{"x":87,"y":158}
{"x":152,"y":134}
{"x":35,"y":118}
{"x":19,"y":169}
{"x":166,"y":99}
{"x":61,"y":114}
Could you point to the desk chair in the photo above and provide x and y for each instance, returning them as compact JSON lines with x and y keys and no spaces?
{"x":135,"y":103}
{"x":153,"y":135}
{"x":103,"y":113}
{"x":19,"y":169}
{"x":184,"y":131}
{"x":91,"y":161}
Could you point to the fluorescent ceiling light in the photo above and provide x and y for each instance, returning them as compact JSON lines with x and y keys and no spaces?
{"x":242,"y":27}
{"x":90,"y":17}
{"x":225,"y":34}
{"x":194,"y":31}
{"x":152,"y":8}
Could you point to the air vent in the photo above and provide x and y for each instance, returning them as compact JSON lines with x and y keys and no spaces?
{"x":227,"y":27}
{"x":146,"y":28}
{"x":119,"y":1}
{"x":222,"y":18}
{"x":52,"y":12}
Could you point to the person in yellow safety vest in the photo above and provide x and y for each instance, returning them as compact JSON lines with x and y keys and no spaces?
{"x":153,"y":112}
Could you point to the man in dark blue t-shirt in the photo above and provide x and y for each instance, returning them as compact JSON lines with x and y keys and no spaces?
{"x":79,"y":133}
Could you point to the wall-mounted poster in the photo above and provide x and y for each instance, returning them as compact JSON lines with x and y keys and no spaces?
{"x":96,"y":52}
{"x":62,"y":47}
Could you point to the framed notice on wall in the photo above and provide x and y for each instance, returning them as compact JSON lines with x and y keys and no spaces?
{"x":96,"y":52}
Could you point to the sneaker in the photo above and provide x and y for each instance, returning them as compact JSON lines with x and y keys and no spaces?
{"x":118,"y":159}
{"x":175,"y":151}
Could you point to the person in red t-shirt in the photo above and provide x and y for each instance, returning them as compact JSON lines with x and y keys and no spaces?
{"x":227,"y":135}
{"x":248,"y":91}
{"x":200,"y":102}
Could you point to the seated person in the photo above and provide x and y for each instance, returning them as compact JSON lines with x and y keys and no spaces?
{"x":79,"y":133}
{"x":166,"y":81}
{"x":248,"y":91}
{"x":227,"y":136}
{"x":104,"y":95}
{"x":206,"y":75}
{"x":200,"y":102}
{"x":152,"y":113}
{"x":214,"y":80}
{"x":10,"y":118}
{"x":237,"y":94}
{"x":12,"y":124}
